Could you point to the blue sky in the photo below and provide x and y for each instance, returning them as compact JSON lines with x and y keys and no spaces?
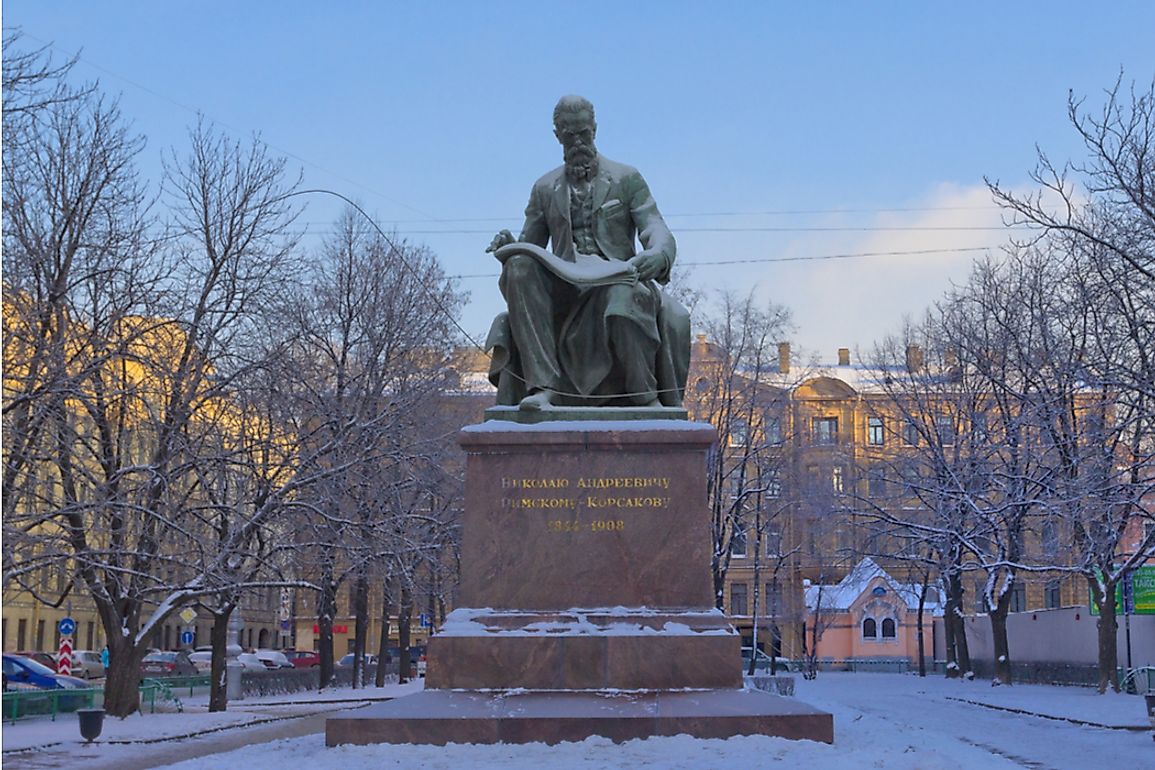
{"x":766,"y":130}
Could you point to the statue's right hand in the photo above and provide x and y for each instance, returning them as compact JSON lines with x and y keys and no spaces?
{"x":504,"y":238}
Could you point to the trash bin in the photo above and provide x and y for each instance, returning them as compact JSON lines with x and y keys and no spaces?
{"x":91,"y":723}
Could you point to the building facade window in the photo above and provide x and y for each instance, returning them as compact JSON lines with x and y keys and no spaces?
{"x":980,"y":432}
{"x":773,"y":542}
{"x":944,"y":425}
{"x":889,"y":628}
{"x":824,"y":430}
{"x":1050,"y":539}
{"x":738,"y":541}
{"x":1018,"y":597}
{"x":869,"y":628}
{"x":1052,"y":595}
{"x":738,"y":599}
{"x":739,"y":432}
{"x":875,"y":431}
{"x":773,"y":599}
{"x":836,"y":481}
{"x":909,"y":433}
{"x":773,"y":430}
{"x":773,"y":484}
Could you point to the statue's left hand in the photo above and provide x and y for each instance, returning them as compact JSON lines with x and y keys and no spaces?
{"x":648,"y":265}
{"x":504,"y":238}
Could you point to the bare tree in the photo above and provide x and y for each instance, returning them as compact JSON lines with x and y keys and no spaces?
{"x":733,"y":389}
{"x":1115,"y":210}
{"x":371,"y":343}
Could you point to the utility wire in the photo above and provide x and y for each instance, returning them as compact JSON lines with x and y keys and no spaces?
{"x":815,"y":258}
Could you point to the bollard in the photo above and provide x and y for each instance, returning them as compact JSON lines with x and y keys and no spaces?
{"x":91,"y":723}
{"x":233,"y":669}
{"x":1150,"y":698}
{"x":233,"y":690}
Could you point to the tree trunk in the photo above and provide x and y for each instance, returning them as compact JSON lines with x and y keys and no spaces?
{"x":955,"y":624}
{"x":218,"y":682}
{"x":360,"y":628}
{"x":1108,"y":634}
{"x":122,"y":685}
{"x":919,"y":627}
{"x":326,"y":609}
{"x":383,"y":643}
{"x":998,"y":618}
{"x":404,"y":618}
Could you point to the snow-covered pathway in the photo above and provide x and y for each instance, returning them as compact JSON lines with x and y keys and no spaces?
{"x":880,"y":720}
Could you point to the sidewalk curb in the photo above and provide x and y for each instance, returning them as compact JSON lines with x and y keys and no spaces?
{"x":358,"y":703}
{"x":1072,"y":720}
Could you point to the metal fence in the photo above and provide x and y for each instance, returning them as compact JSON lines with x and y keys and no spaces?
{"x":19,"y":704}
{"x":166,"y":692}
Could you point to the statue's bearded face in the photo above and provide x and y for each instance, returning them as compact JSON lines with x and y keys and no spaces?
{"x":576,"y":132}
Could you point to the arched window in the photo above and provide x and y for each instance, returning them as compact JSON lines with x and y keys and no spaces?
{"x":869,"y":629}
{"x":888,"y":628}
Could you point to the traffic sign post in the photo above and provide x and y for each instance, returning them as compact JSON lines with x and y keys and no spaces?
{"x":64,"y":655}
{"x":187,"y":637}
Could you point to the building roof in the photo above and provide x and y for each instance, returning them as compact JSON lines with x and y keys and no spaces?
{"x":843,"y":594}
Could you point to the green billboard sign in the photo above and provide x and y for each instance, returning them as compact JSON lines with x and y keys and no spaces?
{"x":1135,"y":594}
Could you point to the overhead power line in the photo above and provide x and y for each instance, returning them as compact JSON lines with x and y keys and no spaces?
{"x":815,"y":258}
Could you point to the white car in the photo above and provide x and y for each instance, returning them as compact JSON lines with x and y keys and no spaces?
{"x":251,"y":662}
{"x":202,"y":660}
{"x":86,"y":664}
{"x":274,"y":659}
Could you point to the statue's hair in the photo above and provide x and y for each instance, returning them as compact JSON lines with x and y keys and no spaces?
{"x":572,"y":104}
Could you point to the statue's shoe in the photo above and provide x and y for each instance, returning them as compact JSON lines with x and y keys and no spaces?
{"x":535,"y":402}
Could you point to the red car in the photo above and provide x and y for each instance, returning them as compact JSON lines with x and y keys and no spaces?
{"x":303,"y":658}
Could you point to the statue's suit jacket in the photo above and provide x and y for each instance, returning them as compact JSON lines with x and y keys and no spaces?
{"x":622,"y":209}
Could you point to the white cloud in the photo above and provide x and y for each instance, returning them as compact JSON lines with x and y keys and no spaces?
{"x":856,"y":302}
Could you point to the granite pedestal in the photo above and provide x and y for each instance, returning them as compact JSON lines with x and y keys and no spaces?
{"x":586,"y":601}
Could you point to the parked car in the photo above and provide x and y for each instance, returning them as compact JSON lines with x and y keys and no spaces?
{"x":43,"y":658}
{"x":762,"y":662}
{"x":251,"y":662}
{"x":273,"y":659}
{"x":347,"y":661}
{"x":203,"y":660}
{"x":416,"y":657}
{"x":303,"y":658}
{"x":168,"y":664}
{"x":26,"y":674}
{"x":86,"y":664}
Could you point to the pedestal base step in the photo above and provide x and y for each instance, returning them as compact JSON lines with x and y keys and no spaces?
{"x":439,"y":717}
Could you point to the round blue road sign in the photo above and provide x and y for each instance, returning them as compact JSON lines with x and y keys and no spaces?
{"x":186,"y":637}
{"x":67,"y":626}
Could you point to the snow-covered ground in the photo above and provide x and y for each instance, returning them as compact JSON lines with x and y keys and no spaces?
{"x":880,"y":720}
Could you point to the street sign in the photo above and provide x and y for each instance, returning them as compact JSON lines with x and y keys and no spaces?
{"x":64,"y":654}
{"x":1128,"y":593}
{"x":187,"y":637}
{"x":67,"y":627}
{"x":423,"y":621}
{"x":188,"y":615}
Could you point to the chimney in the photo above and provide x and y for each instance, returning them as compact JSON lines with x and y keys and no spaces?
{"x":953,"y":369}
{"x":844,"y":356}
{"x":784,"y":357}
{"x":913,"y":358}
